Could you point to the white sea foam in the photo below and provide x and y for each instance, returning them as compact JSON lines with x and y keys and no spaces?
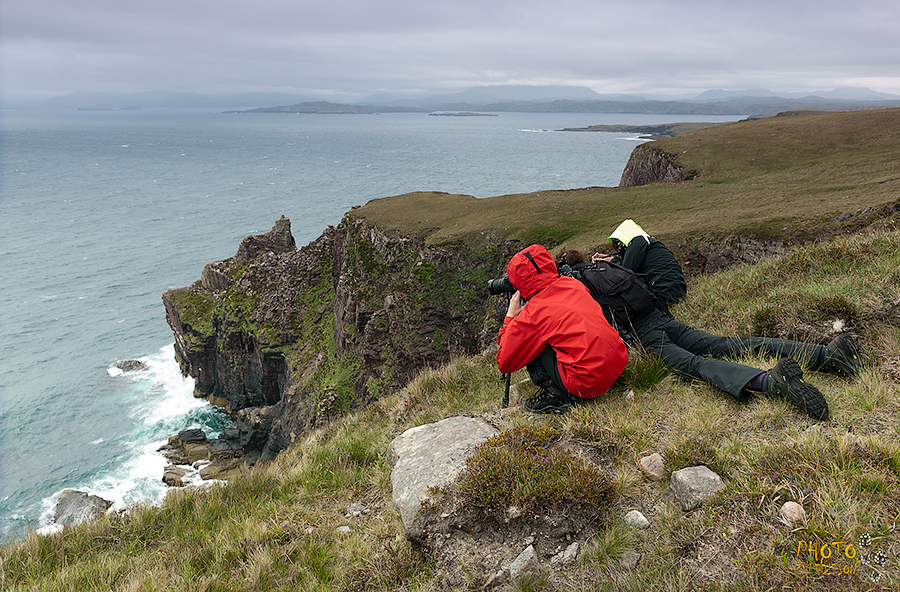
{"x":164,"y":402}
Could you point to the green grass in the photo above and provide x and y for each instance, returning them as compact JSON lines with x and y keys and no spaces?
{"x":782,"y":176}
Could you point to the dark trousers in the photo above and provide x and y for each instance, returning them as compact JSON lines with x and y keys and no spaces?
{"x":686,"y":349}
{"x":544,"y":371}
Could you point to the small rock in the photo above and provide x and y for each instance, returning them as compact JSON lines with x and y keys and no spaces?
{"x":635,"y":519}
{"x":629,"y":395}
{"x":131,"y":365}
{"x":512,"y":513}
{"x":355,"y":510}
{"x":497,"y":579}
{"x":693,"y":485}
{"x":343,"y":529}
{"x":838,"y":326}
{"x":565,"y":557}
{"x":173,"y":475}
{"x":525,"y":563}
{"x":793,"y":512}
{"x":653,"y":466}
{"x":630,"y":559}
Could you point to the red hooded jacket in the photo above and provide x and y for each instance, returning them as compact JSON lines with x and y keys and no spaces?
{"x":561,"y":313}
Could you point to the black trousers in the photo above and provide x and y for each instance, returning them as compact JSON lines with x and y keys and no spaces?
{"x":544,"y":372}
{"x":686,"y":349}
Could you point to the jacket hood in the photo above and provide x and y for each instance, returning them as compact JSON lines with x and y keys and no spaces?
{"x":627,"y":231}
{"x":531,"y":270}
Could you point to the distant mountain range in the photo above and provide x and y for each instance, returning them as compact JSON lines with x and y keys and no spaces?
{"x":503,"y":98}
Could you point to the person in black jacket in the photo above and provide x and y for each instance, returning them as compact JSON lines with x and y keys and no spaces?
{"x":641,"y":253}
{"x":695,"y":353}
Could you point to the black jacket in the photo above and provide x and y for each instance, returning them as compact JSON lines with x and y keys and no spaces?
{"x":652,"y":258}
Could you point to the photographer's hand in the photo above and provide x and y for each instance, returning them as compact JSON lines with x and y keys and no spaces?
{"x":516,"y":304}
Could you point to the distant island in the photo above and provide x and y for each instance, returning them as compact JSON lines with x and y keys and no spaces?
{"x":652,"y":132}
{"x":463,"y":114}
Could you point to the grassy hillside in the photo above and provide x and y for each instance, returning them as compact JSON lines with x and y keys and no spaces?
{"x":277,"y":529}
{"x":767,"y":177}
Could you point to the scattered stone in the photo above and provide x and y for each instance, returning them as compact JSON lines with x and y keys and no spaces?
{"x":629,"y":395}
{"x":512,"y":513}
{"x":499,"y":578}
{"x":525,"y":563}
{"x":635,"y":519}
{"x":173,"y":475}
{"x":565,"y":557}
{"x":653,"y":466}
{"x":131,"y":365}
{"x":355,"y":510}
{"x":630,"y":559}
{"x":693,"y":485}
{"x":74,"y":507}
{"x":431,"y":455}
{"x":793,"y":512}
{"x":343,"y":530}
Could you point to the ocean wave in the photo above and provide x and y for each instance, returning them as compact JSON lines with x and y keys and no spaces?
{"x":162,"y":402}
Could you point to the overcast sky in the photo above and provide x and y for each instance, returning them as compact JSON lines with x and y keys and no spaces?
{"x":348,"y":49}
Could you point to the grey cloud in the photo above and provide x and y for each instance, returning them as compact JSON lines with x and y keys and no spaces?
{"x":358,"y":46}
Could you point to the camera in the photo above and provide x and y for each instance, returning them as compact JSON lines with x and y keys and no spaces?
{"x":501,"y":286}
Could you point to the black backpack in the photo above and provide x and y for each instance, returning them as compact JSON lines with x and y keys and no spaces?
{"x":624,"y":295}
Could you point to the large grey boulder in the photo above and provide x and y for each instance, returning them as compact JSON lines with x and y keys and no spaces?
{"x":693,"y":485}
{"x":431,"y":455}
{"x":77,"y":506}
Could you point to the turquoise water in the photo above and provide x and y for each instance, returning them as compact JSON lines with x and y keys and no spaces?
{"x":101,"y":212}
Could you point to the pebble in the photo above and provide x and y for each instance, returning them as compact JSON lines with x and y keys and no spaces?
{"x":793,"y":512}
{"x":636,"y":520}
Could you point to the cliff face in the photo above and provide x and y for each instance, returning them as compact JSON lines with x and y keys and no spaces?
{"x":648,"y":164}
{"x":282,"y":338}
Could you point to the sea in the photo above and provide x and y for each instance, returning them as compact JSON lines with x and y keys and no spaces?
{"x":103,"y":211}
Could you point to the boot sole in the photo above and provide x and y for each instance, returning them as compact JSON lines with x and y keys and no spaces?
{"x":805,"y":396}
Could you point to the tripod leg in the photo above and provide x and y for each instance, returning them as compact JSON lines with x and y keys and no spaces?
{"x":505,"y":403}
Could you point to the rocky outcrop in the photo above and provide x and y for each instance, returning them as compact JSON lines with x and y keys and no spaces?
{"x":193,"y":456}
{"x":283,"y":339}
{"x":131,"y":365}
{"x":74,"y":507}
{"x":649,"y":164}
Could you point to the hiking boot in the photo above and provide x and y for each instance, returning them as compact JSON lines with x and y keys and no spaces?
{"x":786,"y":382}
{"x":842,"y":356}
{"x":549,"y":400}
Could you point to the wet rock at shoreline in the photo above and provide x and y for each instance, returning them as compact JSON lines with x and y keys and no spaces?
{"x":131,"y":365}
{"x":75,"y":506}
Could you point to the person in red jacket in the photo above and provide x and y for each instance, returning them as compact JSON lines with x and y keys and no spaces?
{"x":555,"y":328}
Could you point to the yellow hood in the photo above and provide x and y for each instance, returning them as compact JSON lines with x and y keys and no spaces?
{"x":627,"y":231}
